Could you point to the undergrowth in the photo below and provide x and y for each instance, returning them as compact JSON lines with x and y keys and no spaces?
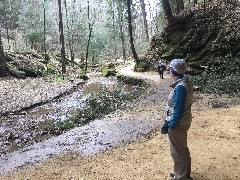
{"x":105,"y":102}
{"x":221,"y":79}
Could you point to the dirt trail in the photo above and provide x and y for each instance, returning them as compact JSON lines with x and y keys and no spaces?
{"x":213,"y":141}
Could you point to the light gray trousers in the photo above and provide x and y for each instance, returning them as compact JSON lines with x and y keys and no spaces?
{"x":180,"y":152}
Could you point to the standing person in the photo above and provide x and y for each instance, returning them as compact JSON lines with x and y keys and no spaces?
{"x":161,"y":68}
{"x":178,"y":120}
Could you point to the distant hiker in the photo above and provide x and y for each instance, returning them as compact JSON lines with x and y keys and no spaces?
{"x":161,"y":68}
{"x":178,"y":120}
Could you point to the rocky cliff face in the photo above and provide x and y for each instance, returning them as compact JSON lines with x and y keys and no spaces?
{"x":203,"y":36}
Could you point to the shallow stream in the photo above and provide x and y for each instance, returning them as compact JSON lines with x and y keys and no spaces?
{"x":98,"y":135}
{"x":29,"y":127}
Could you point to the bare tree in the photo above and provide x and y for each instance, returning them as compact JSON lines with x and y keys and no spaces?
{"x":167,"y":11}
{"x":180,"y":6}
{"x":112,"y":6}
{"x":144,"y":14}
{"x":68,"y":33}
{"x":135,"y":56}
{"x":61,"y":38}
{"x":72,"y":36}
{"x":44,"y":32}
{"x":1,"y":48}
{"x":120,"y":24}
{"x":90,"y":28}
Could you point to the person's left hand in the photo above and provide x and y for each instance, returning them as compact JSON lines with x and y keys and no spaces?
{"x":164,"y":128}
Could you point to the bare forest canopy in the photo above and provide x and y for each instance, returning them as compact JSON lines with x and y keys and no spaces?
{"x":87,"y":32}
{"x":64,"y":33}
{"x":34,"y":25}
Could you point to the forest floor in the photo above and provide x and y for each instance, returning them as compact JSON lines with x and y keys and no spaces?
{"x":213,"y":141}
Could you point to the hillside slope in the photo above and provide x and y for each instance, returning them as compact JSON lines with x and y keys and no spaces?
{"x":202,"y":36}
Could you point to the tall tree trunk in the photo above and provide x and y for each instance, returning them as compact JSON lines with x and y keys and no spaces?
{"x":68,"y":32}
{"x":122,"y":39}
{"x":90,"y":27}
{"x":167,"y":11}
{"x":180,"y":6}
{"x":131,"y":33}
{"x":1,"y":49}
{"x":113,"y":26}
{"x":2,"y":60}
{"x":6,"y":23}
{"x":44,"y":34}
{"x":10,"y":5}
{"x":144,"y":14}
{"x":120,"y":17}
{"x":195,"y":2}
{"x":72,"y":37}
{"x":61,"y":38}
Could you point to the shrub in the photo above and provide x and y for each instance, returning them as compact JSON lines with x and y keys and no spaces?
{"x":142,"y":66}
{"x":109,"y":70}
{"x":103,"y":103}
{"x":221,"y":79}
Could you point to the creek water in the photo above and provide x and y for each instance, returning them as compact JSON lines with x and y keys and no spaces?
{"x":28,"y":127}
{"x":24,"y":141}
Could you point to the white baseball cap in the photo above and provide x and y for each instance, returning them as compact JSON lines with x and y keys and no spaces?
{"x":178,"y":65}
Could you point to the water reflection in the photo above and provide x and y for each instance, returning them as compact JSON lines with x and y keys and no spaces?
{"x":17,"y":131}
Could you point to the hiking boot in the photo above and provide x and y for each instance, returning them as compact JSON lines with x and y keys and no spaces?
{"x":173,"y":178}
{"x":172,"y":175}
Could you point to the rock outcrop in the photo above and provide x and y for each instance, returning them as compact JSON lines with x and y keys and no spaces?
{"x":203,"y":36}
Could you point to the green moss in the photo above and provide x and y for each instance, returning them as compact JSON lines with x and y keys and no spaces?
{"x":142,"y":66}
{"x":103,"y":103}
{"x":104,"y":71}
{"x":108,"y":70}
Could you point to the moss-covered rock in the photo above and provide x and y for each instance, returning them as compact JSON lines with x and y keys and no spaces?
{"x":109,"y":70}
{"x":200,"y":36}
{"x":141,"y":67}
